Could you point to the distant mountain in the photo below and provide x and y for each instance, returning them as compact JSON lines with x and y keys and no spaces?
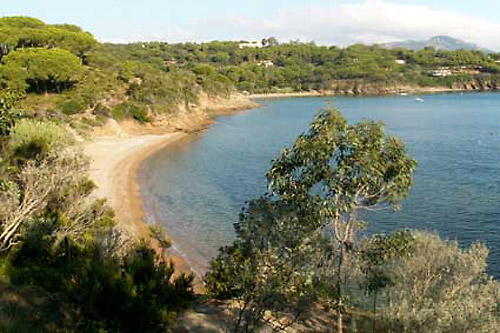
{"x":446,"y":43}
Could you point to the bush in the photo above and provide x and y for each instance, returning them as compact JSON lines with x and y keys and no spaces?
{"x":102,"y":110}
{"x":72,"y":107}
{"x":128,"y":109}
{"x":118,"y":112}
{"x":138,"y":112}
{"x":449,"y":293}
{"x":134,"y":294}
{"x":32,"y":139}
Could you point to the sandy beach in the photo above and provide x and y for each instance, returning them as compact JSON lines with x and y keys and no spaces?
{"x":114,"y":166}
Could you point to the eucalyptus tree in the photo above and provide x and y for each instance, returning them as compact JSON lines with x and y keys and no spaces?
{"x":317,"y":189}
{"x":341,"y":170}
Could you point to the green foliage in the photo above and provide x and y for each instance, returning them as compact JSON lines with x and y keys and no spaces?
{"x":159,"y":234}
{"x":354,"y":165}
{"x":118,"y":112}
{"x":13,"y":77}
{"x":8,"y":116}
{"x":95,"y":86}
{"x":30,"y":309}
{"x":25,"y":32}
{"x":102,"y":111}
{"x":162,"y":92}
{"x":439,"y":287}
{"x":300,"y":66}
{"x":377,"y":251}
{"x":160,"y":78}
{"x":130,"y":109}
{"x":31,"y":138}
{"x":134,"y":294}
{"x":204,"y":70}
{"x":283,"y":258}
{"x":53,"y":236}
{"x":71,"y":107}
{"x":138,"y":112}
{"x":43,"y":69}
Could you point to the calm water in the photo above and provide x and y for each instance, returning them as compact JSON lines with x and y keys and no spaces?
{"x":197,"y":186}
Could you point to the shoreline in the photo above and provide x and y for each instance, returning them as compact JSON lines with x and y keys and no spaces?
{"x":330,"y":93}
{"x":114,"y":168}
{"x":117,"y":152}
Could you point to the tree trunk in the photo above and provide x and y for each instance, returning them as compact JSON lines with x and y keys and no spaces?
{"x":339,"y":289}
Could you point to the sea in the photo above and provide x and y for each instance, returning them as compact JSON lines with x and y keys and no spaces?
{"x":197,"y":186}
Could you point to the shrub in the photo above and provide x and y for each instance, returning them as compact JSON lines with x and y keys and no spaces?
{"x":136,"y":293}
{"x":118,"y":112}
{"x":34,"y":139}
{"x":138,"y":112}
{"x":128,"y":109}
{"x":102,"y":110}
{"x":440,"y":287}
{"x":72,"y":107}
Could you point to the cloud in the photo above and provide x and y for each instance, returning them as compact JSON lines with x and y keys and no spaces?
{"x":371,"y":21}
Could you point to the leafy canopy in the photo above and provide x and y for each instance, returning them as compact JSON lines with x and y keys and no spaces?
{"x":41,"y":67}
{"x":341,"y":169}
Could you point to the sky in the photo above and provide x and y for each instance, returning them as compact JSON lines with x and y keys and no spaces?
{"x":327,"y":22}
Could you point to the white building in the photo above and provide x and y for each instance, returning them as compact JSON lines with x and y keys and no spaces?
{"x":442,"y":72}
{"x":253,"y":44}
{"x":266,"y":63}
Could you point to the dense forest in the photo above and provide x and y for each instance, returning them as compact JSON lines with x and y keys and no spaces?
{"x":298,"y":261}
{"x":296,"y":66}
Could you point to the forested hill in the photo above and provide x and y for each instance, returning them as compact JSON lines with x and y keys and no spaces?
{"x":298,"y":66}
{"x":445,"y":43}
{"x":63,"y":70}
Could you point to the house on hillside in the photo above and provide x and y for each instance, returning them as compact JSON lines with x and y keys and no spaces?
{"x":400,"y":62}
{"x":459,"y":70}
{"x":441,"y":72}
{"x":265,"y":63}
{"x":254,"y":44}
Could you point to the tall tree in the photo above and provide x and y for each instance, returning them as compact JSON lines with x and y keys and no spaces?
{"x":317,"y":188}
{"x":343,"y":169}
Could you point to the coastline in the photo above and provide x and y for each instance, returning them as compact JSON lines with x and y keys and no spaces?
{"x":388,"y":92}
{"x":114,"y":167}
{"x":117,"y":152}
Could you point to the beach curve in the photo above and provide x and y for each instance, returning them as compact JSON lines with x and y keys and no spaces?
{"x":114,"y":167}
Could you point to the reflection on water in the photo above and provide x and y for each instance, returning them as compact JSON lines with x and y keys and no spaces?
{"x":197,"y":186}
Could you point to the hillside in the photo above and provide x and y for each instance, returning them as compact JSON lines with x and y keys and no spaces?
{"x":63,"y":72}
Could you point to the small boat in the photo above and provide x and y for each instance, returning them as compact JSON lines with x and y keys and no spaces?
{"x":403,"y":94}
{"x":418,"y":99}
